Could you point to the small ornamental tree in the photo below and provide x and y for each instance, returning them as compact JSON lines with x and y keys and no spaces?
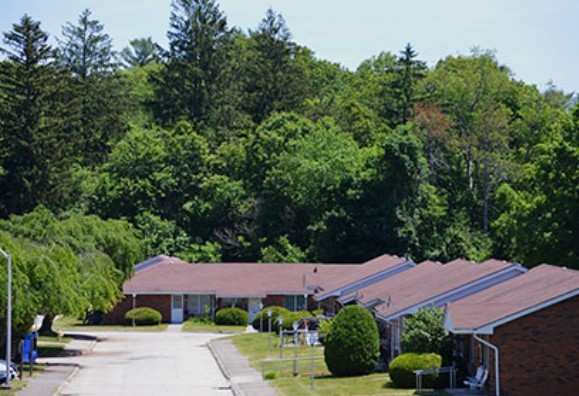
{"x":424,"y":333}
{"x":352,"y":345}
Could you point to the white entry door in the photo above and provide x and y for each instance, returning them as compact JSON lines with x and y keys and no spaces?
{"x":177,"y":308}
{"x":253,"y":307}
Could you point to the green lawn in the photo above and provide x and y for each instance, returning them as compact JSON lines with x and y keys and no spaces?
{"x":74,"y":325}
{"x":196,"y":325}
{"x":256,"y":348}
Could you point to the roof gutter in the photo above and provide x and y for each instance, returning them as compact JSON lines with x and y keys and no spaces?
{"x":496,"y":349}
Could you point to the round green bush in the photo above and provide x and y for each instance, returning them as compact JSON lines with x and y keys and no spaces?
{"x":144,"y":316}
{"x":232,"y":317}
{"x":275,"y":312}
{"x":352,"y":345}
{"x":402,"y":368}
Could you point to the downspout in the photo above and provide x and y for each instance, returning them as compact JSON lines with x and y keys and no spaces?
{"x":496,"y":350}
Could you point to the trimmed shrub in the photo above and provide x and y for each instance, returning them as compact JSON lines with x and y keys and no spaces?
{"x":289,"y":317}
{"x":144,"y":316}
{"x":275,"y":312}
{"x":232,"y":317}
{"x":402,"y":368}
{"x":352,"y":344}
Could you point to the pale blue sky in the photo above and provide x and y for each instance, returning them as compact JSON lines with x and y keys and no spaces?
{"x":537,"y":39}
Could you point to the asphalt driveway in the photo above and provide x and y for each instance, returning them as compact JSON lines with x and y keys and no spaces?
{"x":132,"y":363}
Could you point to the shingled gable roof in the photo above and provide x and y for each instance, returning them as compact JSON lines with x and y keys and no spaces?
{"x":362,"y":275}
{"x":539,"y":288}
{"x":167,"y":275}
{"x":432,"y":283}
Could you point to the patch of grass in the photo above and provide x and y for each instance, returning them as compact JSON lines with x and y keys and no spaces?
{"x":49,"y":349}
{"x":54,"y":339}
{"x":71,"y":325}
{"x":255,"y":347}
{"x":18,"y":385}
{"x":204,"y":326}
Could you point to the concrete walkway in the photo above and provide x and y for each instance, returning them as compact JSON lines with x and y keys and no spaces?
{"x":59,"y":370}
{"x":244,"y":380}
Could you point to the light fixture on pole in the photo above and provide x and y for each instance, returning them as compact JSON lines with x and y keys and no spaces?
{"x":295,"y":325}
{"x":7,"y":384}
{"x":269,"y":327}
{"x":260,"y":318}
{"x":312,"y":340}
{"x":280,"y":321}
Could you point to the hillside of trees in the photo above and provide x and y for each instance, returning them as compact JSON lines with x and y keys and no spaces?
{"x":243,"y":146}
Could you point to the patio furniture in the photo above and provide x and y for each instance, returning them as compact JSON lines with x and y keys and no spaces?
{"x":478,"y":381}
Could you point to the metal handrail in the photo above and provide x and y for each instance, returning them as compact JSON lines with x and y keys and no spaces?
{"x":439,"y":370}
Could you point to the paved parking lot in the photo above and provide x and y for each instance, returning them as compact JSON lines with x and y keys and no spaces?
{"x":148,"y":364}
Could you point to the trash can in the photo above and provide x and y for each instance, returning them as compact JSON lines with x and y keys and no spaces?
{"x":29,"y":347}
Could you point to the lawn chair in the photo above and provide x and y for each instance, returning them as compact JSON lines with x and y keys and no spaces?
{"x":478,"y":381}
{"x":477,"y":376}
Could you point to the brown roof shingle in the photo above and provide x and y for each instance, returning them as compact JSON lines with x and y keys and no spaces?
{"x":540,"y":285}
{"x":423,"y":283}
{"x":169,"y":275}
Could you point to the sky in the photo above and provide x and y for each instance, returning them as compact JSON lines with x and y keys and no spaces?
{"x":536,"y":39}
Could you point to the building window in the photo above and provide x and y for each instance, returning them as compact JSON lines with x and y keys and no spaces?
{"x":234,"y":302}
{"x":294,"y":303}
{"x":196,"y":304}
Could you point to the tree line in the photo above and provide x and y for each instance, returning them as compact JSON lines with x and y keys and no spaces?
{"x":243,"y":146}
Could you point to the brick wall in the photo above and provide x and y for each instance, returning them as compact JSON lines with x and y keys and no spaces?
{"x":539,"y":353}
{"x":161,"y":303}
{"x":271,"y":301}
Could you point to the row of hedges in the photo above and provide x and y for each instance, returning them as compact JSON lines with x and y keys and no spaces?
{"x":145,"y":316}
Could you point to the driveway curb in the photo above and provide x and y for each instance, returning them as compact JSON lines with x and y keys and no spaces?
{"x":234,"y":388}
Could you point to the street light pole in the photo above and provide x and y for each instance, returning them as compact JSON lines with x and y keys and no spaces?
{"x":312,"y":342}
{"x":260,"y":318}
{"x":134,"y":306}
{"x":295,"y":326}
{"x":269,"y":328}
{"x":280,"y":321}
{"x":8,"y":321}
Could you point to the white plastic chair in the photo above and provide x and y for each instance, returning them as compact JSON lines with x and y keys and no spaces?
{"x":478,"y":383}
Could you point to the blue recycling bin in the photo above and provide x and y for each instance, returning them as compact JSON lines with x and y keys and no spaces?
{"x":30,"y":344}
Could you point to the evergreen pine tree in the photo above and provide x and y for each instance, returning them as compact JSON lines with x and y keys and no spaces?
{"x":26,"y":83}
{"x":185,"y":87}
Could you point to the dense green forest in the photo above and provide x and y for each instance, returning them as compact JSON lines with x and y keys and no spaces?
{"x":243,"y":146}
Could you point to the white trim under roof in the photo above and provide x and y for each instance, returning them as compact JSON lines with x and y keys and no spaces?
{"x":371,"y":279}
{"x":488,"y":329}
{"x":462,"y":291}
